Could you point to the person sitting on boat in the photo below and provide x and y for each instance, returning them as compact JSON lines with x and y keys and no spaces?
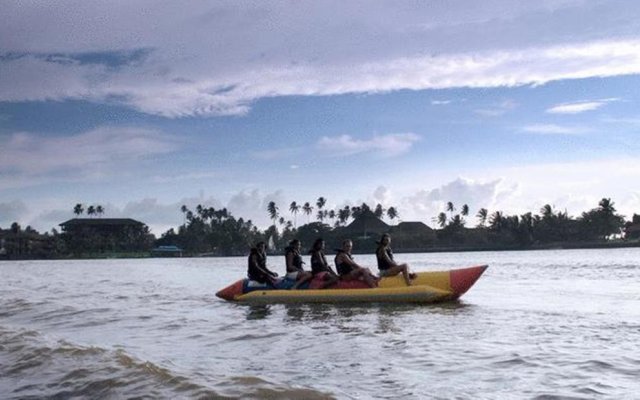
{"x":294,"y":264}
{"x":257,"y":269}
{"x":348,"y":269}
{"x":320,"y":266}
{"x":386,"y":264}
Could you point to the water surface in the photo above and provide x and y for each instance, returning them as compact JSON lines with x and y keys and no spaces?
{"x":537,"y":325}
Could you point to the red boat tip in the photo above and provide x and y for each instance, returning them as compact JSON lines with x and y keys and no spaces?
{"x":231,"y":291}
{"x":461,"y":280}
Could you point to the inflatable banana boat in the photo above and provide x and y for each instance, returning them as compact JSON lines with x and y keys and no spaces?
{"x":426,"y":287}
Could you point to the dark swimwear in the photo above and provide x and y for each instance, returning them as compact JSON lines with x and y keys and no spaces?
{"x":319,"y":263}
{"x":297,"y":258}
{"x":383,"y":263}
{"x":343,"y":268}
{"x":257,"y":267}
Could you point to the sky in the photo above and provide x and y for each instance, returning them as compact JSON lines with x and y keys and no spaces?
{"x":144,"y":106}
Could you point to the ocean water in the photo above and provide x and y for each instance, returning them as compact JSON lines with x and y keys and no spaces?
{"x":537,"y":325}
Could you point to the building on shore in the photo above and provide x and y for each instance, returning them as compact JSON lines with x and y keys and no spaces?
{"x":99,"y":235}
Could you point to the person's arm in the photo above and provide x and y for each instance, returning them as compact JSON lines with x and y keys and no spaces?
{"x":327,"y":266}
{"x":349,"y":261}
{"x":256,"y":265}
{"x":289,"y":260}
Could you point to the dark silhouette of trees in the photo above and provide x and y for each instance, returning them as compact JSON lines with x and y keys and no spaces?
{"x":294,"y":208}
{"x":78,"y":209}
{"x":392,"y":213}
{"x":272,"y":209}
{"x":320,"y":203}
{"x":482,"y":216}
{"x":602,"y":221}
{"x":307,"y":209}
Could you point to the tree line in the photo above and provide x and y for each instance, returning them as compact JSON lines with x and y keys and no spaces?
{"x":210,"y":231}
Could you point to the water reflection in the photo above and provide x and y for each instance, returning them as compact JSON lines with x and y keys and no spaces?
{"x":257,"y":312}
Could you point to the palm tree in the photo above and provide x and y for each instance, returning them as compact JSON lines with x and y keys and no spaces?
{"x":482,"y":215}
{"x":307,"y":209}
{"x":356,"y":211}
{"x":546,"y":211}
{"x":496,"y":221}
{"x":295,"y":209}
{"x":392,"y":213}
{"x":91,"y":210}
{"x":99,"y":210}
{"x":606,"y":205}
{"x":457,"y":222}
{"x":343,"y":215}
{"x":441,"y":219}
{"x":332,"y":215}
{"x":321,"y":203}
{"x":465,"y":210}
{"x":450,"y":207}
{"x":78,"y":209}
{"x":379,"y":211}
{"x":273,"y":212}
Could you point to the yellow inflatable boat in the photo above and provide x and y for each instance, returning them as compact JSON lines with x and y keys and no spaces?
{"x":427,"y":287}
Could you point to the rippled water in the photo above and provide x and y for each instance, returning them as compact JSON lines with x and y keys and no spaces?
{"x":537,"y":325}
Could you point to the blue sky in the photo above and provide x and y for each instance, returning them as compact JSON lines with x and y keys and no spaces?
{"x":143,"y":106}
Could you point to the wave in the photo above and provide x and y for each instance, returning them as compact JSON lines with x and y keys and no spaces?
{"x":33,"y":366}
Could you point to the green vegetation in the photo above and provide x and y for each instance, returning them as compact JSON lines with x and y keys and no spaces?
{"x":207,"y":231}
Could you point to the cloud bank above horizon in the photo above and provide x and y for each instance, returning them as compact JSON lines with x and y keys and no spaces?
{"x":193,"y":63}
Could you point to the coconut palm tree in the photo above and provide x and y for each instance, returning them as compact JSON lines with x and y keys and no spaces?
{"x":91,"y":210}
{"x":496,"y":221}
{"x":343,"y":215}
{"x":307,"y":209}
{"x":273,"y":211}
{"x":78,"y":209}
{"x":379,"y":211}
{"x":465,"y":210}
{"x":99,"y":210}
{"x":441,"y":219}
{"x":321,"y":202}
{"x":606,"y":206}
{"x":547,"y":211}
{"x":295,"y":209}
{"x":450,"y":207}
{"x":392,"y":213}
{"x":332,"y":215}
{"x":482,"y":216}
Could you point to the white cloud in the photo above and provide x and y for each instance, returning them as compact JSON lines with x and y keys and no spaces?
{"x":425,"y":204}
{"x":390,"y":145}
{"x":193,"y":62}
{"x":497,"y":109}
{"x":553,"y":129}
{"x":29,"y":157}
{"x":440,"y":102}
{"x":579,"y":107}
{"x":382,"y":195}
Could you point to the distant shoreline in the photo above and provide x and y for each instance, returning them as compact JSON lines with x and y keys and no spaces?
{"x":454,"y":249}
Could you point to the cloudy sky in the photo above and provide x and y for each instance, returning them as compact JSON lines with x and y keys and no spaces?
{"x":142,"y":106}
